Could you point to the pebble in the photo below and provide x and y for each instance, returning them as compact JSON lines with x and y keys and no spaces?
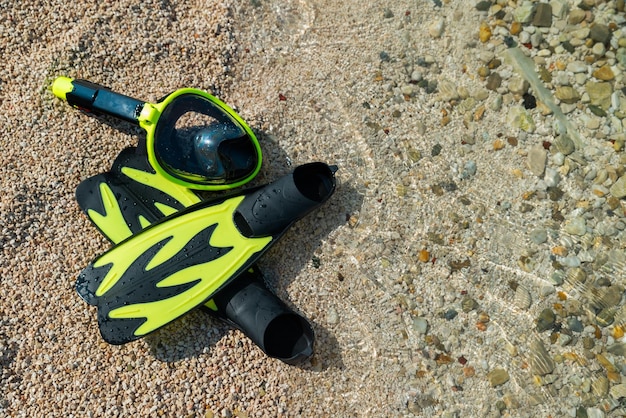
{"x":574,"y":324}
{"x":469,"y":169}
{"x":496,"y":104}
{"x":541,"y":363}
{"x":554,"y":193}
{"x":416,"y":76}
{"x":567,"y":94}
{"x":599,"y":93}
{"x":524,"y":12}
{"x":546,"y":319}
{"x":420,"y":325}
{"x":576,"y":16}
{"x":518,"y":85}
{"x":450,"y":314}
{"x":576,"y":226}
{"x":493,"y":81}
{"x":552,"y":177}
{"x":598,"y":49}
{"x":483,"y":5}
{"x":536,"y":39}
{"x":618,"y":189}
{"x":588,"y":343}
{"x":618,"y":102}
{"x":467,"y":105}
{"x":537,"y":158}
{"x":546,"y":290}
{"x":530,"y":101}
{"x":559,"y":8}
{"x":600,"y":386}
{"x":577,"y":67}
{"x":463,"y":92}
{"x":604,"y":73}
{"x":620,"y":55}
{"x":558,"y":159}
{"x":570,"y":261}
{"x":618,"y":391}
{"x":564,"y":144}
{"x":484,"y":71}
{"x":447,"y":90}
{"x":511,"y":349}
{"x":511,"y":401}
{"x":605,"y":317}
{"x":520,"y":118}
{"x":543,"y":15}
{"x":332,"y":317}
{"x":539,"y":236}
{"x":619,"y":349}
{"x":498,"y":377}
{"x":516,"y":28}
{"x":484,"y":32}
{"x":419,"y":403}
{"x":436,"y":28}
{"x":600,"y":33}
{"x":524,"y":37}
{"x":586,"y":4}
{"x":522,"y":298}
{"x":595,"y":413}
{"x":468,"y":304}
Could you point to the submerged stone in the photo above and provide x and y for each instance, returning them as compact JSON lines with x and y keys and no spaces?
{"x":546,"y":319}
{"x":498,"y":377}
{"x":618,"y":189}
{"x":543,"y":15}
{"x":537,"y":159}
{"x":599,"y":93}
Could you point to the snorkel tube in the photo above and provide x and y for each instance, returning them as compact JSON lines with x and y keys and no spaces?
{"x":94,"y":98}
{"x":192,"y":138}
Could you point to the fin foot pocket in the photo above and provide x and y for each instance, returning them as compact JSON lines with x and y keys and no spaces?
{"x":289,"y":337}
{"x":315,"y":180}
{"x":273,"y":208}
{"x":248,"y":305}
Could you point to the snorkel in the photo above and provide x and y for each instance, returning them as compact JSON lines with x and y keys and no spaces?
{"x":192,"y":138}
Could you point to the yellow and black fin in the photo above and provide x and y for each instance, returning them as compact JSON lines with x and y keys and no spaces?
{"x":130,"y":197}
{"x":180,"y":262}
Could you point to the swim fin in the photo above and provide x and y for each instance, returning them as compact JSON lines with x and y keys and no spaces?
{"x":178,"y":263}
{"x":131,"y":196}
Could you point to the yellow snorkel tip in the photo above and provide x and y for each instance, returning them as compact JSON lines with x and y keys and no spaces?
{"x":62,"y":86}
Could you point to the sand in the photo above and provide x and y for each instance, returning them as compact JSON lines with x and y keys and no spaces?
{"x":408,"y":274}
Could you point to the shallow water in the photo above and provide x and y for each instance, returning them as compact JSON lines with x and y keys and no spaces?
{"x":345,"y":72}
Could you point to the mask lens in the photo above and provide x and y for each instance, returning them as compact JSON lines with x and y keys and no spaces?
{"x":197,"y":141}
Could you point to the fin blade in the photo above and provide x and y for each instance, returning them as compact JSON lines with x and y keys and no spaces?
{"x":170,"y":268}
{"x":130,"y":197}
